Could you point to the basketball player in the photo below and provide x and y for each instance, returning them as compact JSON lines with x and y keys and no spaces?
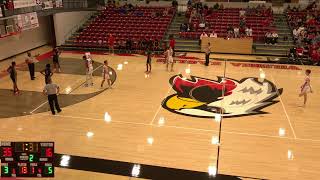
{"x":89,"y":70}
{"x":105,"y":74}
{"x":47,"y":73}
{"x":56,"y":63}
{"x":148,"y":64}
{"x":169,"y":58}
{"x":306,"y":87}
{"x":13,"y":75}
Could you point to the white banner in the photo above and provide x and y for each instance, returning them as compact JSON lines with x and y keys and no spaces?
{"x":24,"y":3}
{"x":1,"y":15}
{"x":27,"y":21}
{"x":58,"y":3}
{"x":45,"y":4}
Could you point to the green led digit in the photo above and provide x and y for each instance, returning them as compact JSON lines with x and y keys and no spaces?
{"x":50,"y":170}
{"x":6,"y":169}
{"x":30,"y":157}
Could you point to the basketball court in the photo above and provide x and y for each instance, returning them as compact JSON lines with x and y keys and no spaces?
{"x":172,"y":119}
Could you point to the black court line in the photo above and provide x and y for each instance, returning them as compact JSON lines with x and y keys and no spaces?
{"x":146,"y":171}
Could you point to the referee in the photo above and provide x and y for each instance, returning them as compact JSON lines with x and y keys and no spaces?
{"x":52,"y":90}
{"x":30,"y":61}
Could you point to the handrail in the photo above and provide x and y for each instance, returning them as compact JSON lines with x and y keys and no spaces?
{"x":77,"y":26}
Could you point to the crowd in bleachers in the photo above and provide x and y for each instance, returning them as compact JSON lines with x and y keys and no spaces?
{"x":227,"y":22}
{"x":305,"y":25}
{"x":130,"y":28}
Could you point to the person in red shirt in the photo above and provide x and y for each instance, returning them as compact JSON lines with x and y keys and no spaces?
{"x":315,"y":57}
{"x":111,"y":41}
{"x":172,"y":43}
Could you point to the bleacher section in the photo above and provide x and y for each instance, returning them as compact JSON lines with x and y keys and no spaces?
{"x":139,"y":24}
{"x":219,"y":21}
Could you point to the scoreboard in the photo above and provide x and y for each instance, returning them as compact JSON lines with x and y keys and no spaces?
{"x":27,"y":159}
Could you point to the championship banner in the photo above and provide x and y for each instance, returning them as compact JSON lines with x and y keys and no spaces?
{"x":24,"y":3}
{"x":27,"y":21}
{"x":45,"y":4}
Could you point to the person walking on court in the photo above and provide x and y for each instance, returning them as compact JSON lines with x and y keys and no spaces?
{"x":30,"y":61}
{"x":89,"y":70}
{"x":169,"y":58}
{"x":52,"y":90}
{"x":148,"y":64}
{"x":47,"y":73}
{"x":13,"y":76}
{"x":56,"y":63}
{"x":306,"y":87}
{"x":207,"y":51}
{"x":106,"y":74}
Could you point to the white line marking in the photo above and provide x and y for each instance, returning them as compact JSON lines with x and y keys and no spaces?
{"x":185,"y":128}
{"x":66,"y":93}
{"x":284,"y":109}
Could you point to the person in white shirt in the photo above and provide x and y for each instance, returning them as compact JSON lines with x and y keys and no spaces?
{"x":236,"y":32}
{"x":169,"y":58}
{"x":249,"y":31}
{"x":106,"y":74}
{"x":213,"y":34}
{"x":204,"y":34}
{"x":89,"y":69}
{"x":275,"y":37}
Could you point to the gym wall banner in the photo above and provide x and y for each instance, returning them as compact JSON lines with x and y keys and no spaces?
{"x":1,"y":15}
{"x":27,"y":21}
{"x":58,"y":4}
{"x":24,"y":3}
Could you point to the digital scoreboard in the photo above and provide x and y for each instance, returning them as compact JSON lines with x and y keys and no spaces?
{"x":27,"y":159}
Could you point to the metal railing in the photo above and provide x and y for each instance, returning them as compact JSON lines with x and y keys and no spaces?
{"x":78,"y":25}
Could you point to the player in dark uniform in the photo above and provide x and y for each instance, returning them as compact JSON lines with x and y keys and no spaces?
{"x":148,"y":61}
{"x":13,"y":75}
{"x":56,"y":63}
{"x":47,"y":73}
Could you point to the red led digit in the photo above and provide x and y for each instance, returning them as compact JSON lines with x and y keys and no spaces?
{"x":48,"y":152}
{"x":7,"y":151}
{"x":24,"y":170}
{"x":39,"y":171}
{"x":32,"y":170}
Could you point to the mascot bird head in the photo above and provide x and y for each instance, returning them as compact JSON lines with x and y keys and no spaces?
{"x":200,"y":97}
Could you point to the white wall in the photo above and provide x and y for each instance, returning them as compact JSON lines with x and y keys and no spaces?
{"x":67,"y":21}
{"x":29,"y":39}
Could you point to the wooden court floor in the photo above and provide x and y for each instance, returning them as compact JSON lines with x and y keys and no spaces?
{"x":281,"y":143}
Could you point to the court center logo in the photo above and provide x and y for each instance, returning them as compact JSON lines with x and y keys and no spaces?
{"x":200,"y":97}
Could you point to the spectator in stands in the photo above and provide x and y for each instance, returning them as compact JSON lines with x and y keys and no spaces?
{"x":295,"y":34}
{"x":236,"y":32}
{"x":249,"y":31}
{"x":315,"y":57}
{"x":213,"y":34}
{"x":128,"y":45}
{"x":203,"y":34}
{"x":275,"y":37}
{"x":216,"y":6}
{"x":268,"y":37}
{"x":242,"y":13}
{"x":230,"y":32}
{"x":156,"y":45}
{"x":174,"y":3}
{"x":111,"y":41}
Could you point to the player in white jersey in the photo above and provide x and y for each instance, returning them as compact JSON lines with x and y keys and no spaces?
{"x":306,"y":87}
{"x":169,"y":57}
{"x":89,"y":70}
{"x":106,"y":74}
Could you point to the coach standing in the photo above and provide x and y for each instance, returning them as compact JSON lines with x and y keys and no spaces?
{"x":207,"y":50}
{"x":52,"y":90}
{"x":30,"y":61}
